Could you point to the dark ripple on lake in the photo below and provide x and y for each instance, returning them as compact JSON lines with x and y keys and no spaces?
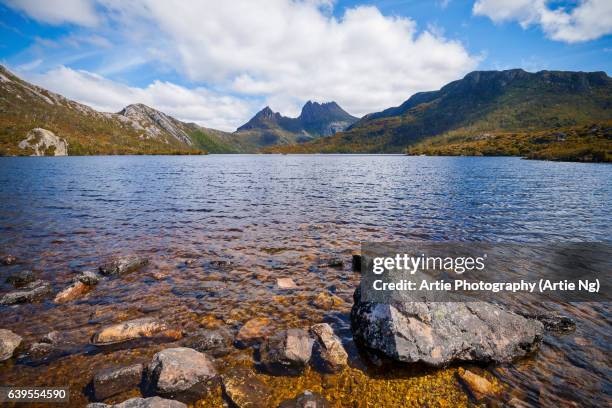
{"x":277,"y":216}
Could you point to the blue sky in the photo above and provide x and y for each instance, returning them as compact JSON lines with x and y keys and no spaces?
{"x":217,"y":64}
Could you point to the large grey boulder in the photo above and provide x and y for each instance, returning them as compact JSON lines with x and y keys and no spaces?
{"x":31,"y":292}
{"x":287,"y":352}
{"x":113,"y":381}
{"x":329,"y":354}
{"x":9,"y":341}
{"x":181,"y":373}
{"x":153,"y":402}
{"x":439,"y":333}
{"x":122,"y":265}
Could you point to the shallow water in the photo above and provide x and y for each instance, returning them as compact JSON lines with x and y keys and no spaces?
{"x":276,"y":216}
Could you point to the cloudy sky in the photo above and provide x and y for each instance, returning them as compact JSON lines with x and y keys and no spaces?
{"x":219,"y":62}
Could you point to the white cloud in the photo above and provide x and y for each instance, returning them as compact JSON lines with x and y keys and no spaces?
{"x":81,"y":12}
{"x":588,"y":20}
{"x":199,"y":105}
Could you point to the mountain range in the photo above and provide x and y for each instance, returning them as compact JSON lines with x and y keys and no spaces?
{"x":486,"y":112}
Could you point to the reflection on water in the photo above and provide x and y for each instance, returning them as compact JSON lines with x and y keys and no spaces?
{"x":276,"y":216}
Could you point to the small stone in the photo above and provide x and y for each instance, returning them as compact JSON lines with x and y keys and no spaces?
{"x":217,"y":343}
{"x":306,"y":400}
{"x":72,"y":292}
{"x":89,"y":278}
{"x":328,"y":351}
{"x":478,"y":386}
{"x":327,"y":301}
{"x":9,"y":341}
{"x":8,"y":260}
{"x":21,"y":278}
{"x":133,"y":329}
{"x":31,"y":292}
{"x":153,"y":402}
{"x":245,"y":390}
{"x":181,"y":373}
{"x":113,"y":381}
{"x":254,"y":331}
{"x":123,"y":265}
{"x":287,"y":352}
{"x":286,"y":283}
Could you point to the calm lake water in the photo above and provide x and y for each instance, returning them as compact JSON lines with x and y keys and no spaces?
{"x":277,"y":216}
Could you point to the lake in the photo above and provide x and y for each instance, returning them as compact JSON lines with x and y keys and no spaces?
{"x":269,"y":216}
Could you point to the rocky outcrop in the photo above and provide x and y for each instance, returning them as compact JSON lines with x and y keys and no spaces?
{"x":21,"y":278}
{"x":439,"y":333}
{"x":217,"y":342}
{"x":245,"y":390}
{"x":253,"y":331}
{"x":43,"y":142}
{"x":31,"y":292}
{"x":122,"y":265}
{"x":306,"y":400}
{"x":287,"y":352}
{"x":154,"y":122}
{"x":181,"y":373}
{"x":328,"y":352}
{"x":153,"y":402}
{"x":133,"y":329}
{"x":113,"y":381}
{"x":9,"y":341}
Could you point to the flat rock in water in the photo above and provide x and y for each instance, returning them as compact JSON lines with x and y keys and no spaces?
{"x":181,"y":373}
{"x":130,"y":330}
{"x":327,"y":301}
{"x":21,"y":278}
{"x":439,"y":333}
{"x":329,"y":354}
{"x":217,"y":342}
{"x":478,"y":386}
{"x":31,"y":292}
{"x":113,"y":381}
{"x":153,"y":402}
{"x":306,"y":400}
{"x":254,"y":331}
{"x":245,"y":390}
{"x":72,"y":292}
{"x":9,"y":341}
{"x":286,"y":283}
{"x":287,"y":352}
{"x":122,"y":265}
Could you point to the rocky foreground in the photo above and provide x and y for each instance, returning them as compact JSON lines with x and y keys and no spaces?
{"x":418,"y":333}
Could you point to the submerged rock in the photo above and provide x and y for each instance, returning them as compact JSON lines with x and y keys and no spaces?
{"x":89,"y":278}
{"x":153,"y":402}
{"x":254,"y":331}
{"x":113,"y":381}
{"x":52,"y":342}
{"x":21,"y":278}
{"x":245,"y":390}
{"x":329,"y":354}
{"x":9,"y":341}
{"x":333,"y":263}
{"x":72,"y":292}
{"x":439,"y":333}
{"x":31,"y":292}
{"x":8,"y":260}
{"x":327,"y":301}
{"x":306,"y":400}
{"x":287,"y":352}
{"x":122,"y":265}
{"x":217,"y":342}
{"x":181,"y":373}
{"x":285,"y":283}
{"x":478,"y":386}
{"x":133,"y":329}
